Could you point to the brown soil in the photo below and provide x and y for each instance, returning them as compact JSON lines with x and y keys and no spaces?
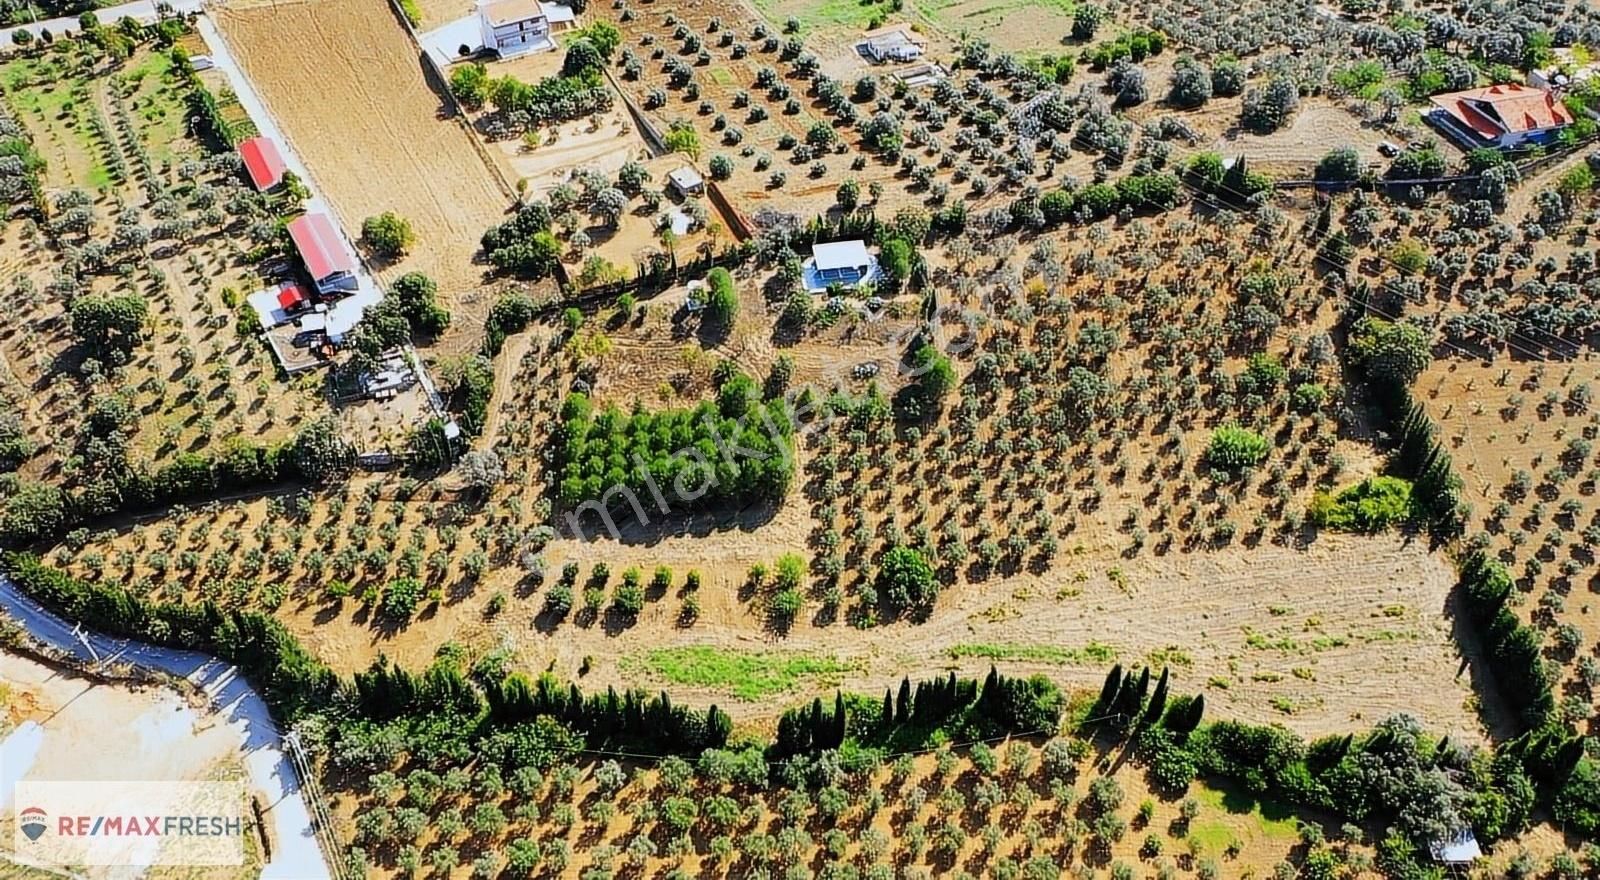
{"x":375,"y":133}
{"x":1498,"y":423}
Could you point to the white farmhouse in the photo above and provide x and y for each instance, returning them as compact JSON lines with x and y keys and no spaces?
{"x":514,"y":27}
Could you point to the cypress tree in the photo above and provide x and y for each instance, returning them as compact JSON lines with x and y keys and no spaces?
{"x":836,"y":739}
{"x":1108,"y":691}
{"x":1158,"y":702}
{"x":818,"y":725}
{"x":886,"y":719}
{"x":718,"y":727}
{"x":902,"y":710}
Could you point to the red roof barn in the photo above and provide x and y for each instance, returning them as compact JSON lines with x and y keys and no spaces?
{"x":326,"y":259}
{"x":262,"y":162}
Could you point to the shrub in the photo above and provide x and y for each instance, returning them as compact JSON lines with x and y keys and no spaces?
{"x":629,"y":599}
{"x":785,"y":605}
{"x":400,"y":598}
{"x":1371,"y":505}
{"x":1233,"y":448}
{"x":388,"y":234}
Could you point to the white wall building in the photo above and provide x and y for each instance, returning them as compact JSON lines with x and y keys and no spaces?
{"x":514,"y":27}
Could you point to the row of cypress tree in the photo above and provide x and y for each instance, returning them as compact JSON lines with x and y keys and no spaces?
{"x":1126,"y":703}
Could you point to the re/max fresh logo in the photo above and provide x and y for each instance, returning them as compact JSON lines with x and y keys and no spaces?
{"x":35,"y":824}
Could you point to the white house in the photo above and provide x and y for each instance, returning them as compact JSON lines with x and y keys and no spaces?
{"x":843,"y":263}
{"x":514,"y":27}
{"x":894,"y":44}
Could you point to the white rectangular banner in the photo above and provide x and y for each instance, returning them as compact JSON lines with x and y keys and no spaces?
{"x":129,"y":823}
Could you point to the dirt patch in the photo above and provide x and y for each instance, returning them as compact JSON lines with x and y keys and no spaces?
{"x":376,"y":134}
{"x":1315,"y":130}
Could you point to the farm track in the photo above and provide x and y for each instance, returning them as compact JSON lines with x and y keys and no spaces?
{"x":377,"y":136}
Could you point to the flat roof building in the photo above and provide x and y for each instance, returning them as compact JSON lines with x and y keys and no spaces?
{"x":686,"y":181}
{"x":842,"y":263}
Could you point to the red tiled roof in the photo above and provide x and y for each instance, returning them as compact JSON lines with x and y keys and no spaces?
{"x":319,"y":245}
{"x":291,"y":296}
{"x":262,"y":162}
{"x":1505,"y":109}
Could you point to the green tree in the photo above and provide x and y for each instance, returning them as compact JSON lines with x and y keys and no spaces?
{"x":416,"y":296}
{"x":905,"y":580}
{"x":388,"y":234}
{"x":1343,"y":163}
{"x":33,"y":511}
{"x":1390,"y":353}
{"x":682,"y":138}
{"x":109,"y":326}
{"x":582,"y":57}
{"x":470,"y":84}
{"x":722,"y":300}
{"x":319,"y":453}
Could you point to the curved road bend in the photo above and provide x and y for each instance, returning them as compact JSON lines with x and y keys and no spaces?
{"x":295,"y":854}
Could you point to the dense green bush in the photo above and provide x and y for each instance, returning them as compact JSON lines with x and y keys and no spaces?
{"x":905,"y":581}
{"x":722,"y":301}
{"x":388,"y":234}
{"x":523,"y":244}
{"x":1372,"y":505}
{"x":1233,"y":448}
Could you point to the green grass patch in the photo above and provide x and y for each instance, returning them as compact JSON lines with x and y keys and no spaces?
{"x":721,"y":76}
{"x":1171,"y":655}
{"x":1094,"y":653}
{"x":1266,"y":818}
{"x":853,"y":14}
{"x":746,"y":675}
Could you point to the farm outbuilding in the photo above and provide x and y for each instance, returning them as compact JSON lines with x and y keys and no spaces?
{"x":686,"y":181}
{"x":322,"y":250}
{"x":895,"y":44}
{"x":262,"y":163}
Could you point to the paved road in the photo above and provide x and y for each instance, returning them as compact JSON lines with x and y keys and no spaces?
{"x":295,"y":854}
{"x":141,"y":10}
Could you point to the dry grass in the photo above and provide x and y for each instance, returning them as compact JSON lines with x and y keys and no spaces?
{"x":376,"y":134}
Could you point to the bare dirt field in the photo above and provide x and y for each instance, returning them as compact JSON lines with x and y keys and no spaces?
{"x":374,"y":130}
{"x":1316,"y":129}
{"x":1524,"y":449}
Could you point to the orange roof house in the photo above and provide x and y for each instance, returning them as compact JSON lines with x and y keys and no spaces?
{"x":1507,"y":115}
